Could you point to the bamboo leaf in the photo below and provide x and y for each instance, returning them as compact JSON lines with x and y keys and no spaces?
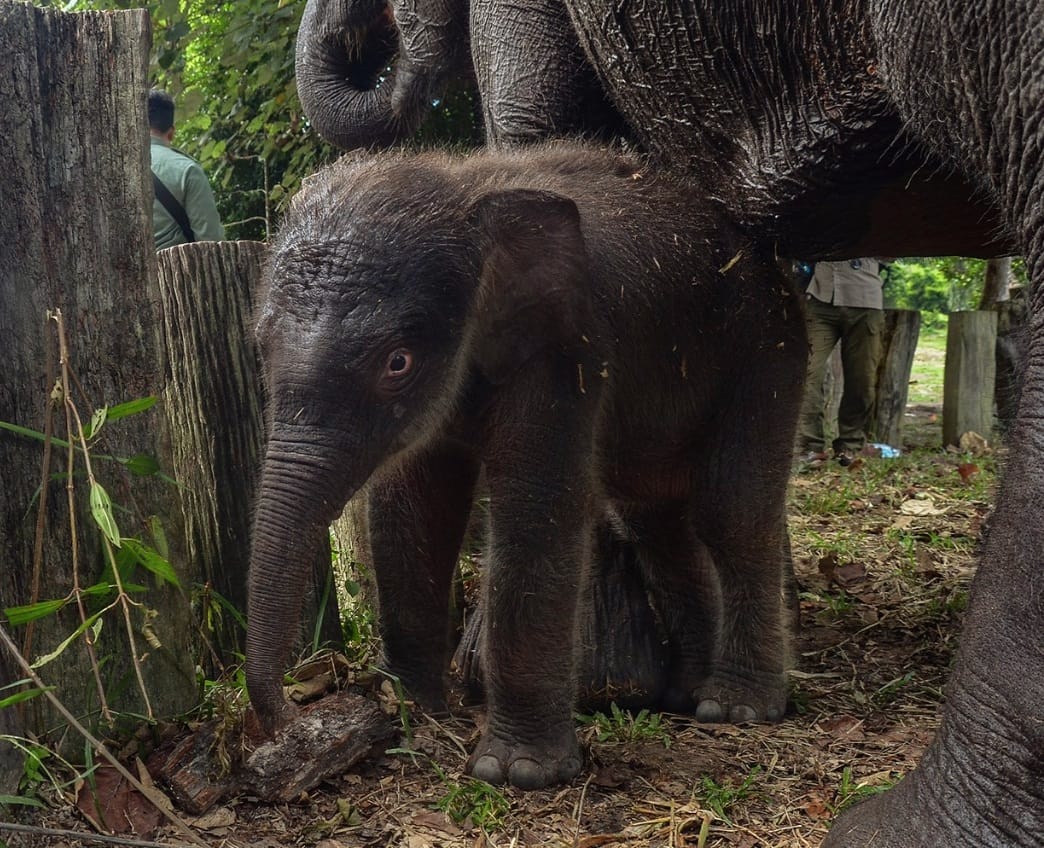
{"x":20,"y":799}
{"x":131,"y":407}
{"x":159,"y":536}
{"x":101,"y":509}
{"x":25,"y":695}
{"x":57,"y":652}
{"x":96,"y":423}
{"x":31,"y":434}
{"x":142,"y":465}
{"x":152,"y":561}
{"x":30,"y":612}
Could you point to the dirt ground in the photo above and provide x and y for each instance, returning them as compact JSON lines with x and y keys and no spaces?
{"x":884,"y":555}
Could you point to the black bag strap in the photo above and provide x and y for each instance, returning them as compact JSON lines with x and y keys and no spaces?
{"x":176,"y":210}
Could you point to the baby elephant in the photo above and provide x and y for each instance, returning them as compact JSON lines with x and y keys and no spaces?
{"x":601,"y":340}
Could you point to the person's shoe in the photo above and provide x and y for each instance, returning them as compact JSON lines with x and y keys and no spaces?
{"x":844,"y":458}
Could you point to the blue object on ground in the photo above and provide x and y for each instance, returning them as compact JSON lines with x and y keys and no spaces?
{"x":886,"y":451}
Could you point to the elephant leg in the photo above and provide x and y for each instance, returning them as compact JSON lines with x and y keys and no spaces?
{"x":981,"y":781}
{"x":417,"y":519}
{"x":539,"y":470}
{"x":681,"y":579}
{"x":534,"y":78}
{"x":738,"y":510}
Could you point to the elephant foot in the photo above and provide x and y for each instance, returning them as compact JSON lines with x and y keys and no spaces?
{"x":727,"y":699}
{"x":872,"y":822}
{"x":957,"y":808}
{"x":426,"y":689}
{"x":526,"y":766}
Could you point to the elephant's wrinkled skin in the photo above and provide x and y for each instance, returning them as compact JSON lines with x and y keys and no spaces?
{"x":598,"y":339}
{"x":849,"y":128}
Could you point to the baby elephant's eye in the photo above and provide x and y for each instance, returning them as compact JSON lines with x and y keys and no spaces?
{"x":400,"y":362}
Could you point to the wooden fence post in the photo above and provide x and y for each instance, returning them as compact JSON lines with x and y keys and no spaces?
{"x":971,"y":339}
{"x":214,"y":402}
{"x":898,"y":344}
{"x":76,"y":236}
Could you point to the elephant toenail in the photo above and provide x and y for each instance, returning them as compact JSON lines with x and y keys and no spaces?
{"x":710,"y":710}
{"x":488,"y":768}
{"x":741,"y":713}
{"x":527,"y":774}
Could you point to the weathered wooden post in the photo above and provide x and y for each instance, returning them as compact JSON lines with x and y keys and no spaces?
{"x":971,"y":339}
{"x":898,"y":344}
{"x":75,"y":236}
{"x":214,"y":406}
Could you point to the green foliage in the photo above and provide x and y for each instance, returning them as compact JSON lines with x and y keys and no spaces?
{"x":230,"y":67}
{"x":938,"y":285}
{"x":620,"y":726}
{"x":470,"y":799}
{"x":722,"y":797}
{"x":123,"y":555}
{"x":849,"y":791}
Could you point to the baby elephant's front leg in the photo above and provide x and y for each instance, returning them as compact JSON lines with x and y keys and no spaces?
{"x":532,"y":587}
{"x":540,"y":547}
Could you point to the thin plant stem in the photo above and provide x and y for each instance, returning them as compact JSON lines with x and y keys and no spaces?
{"x":126,"y":602}
{"x":157,"y":799}
{"x":41,"y":512}
{"x":70,"y":493}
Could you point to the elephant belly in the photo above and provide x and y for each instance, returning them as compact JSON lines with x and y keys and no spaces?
{"x":650,"y":474}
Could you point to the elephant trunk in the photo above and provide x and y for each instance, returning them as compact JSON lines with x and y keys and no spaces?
{"x":296,"y":503}
{"x":345,"y":52}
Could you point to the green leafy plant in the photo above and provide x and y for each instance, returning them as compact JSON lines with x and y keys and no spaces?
{"x":123,"y":555}
{"x":621,"y":726}
{"x":722,"y":797}
{"x":849,"y":791}
{"x":470,"y":799}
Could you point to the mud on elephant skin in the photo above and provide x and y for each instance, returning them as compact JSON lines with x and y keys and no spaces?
{"x":591,"y":333}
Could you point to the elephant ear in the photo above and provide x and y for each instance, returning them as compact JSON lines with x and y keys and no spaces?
{"x":535,"y":290}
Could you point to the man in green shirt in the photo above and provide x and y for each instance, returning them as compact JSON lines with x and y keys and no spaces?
{"x":190,"y":196}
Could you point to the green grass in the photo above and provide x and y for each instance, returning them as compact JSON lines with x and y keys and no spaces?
{"x":621,"y":726}
{"x":926,"y":378}
{"x":474,"y":801}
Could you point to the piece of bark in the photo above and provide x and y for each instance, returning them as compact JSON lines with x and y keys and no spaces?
{"x":192,"y":770}
{"x":325,"y":739}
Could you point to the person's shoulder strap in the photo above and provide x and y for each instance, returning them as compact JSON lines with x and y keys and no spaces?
{"x":176,"y":210}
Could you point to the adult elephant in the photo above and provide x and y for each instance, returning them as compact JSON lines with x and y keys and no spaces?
{"x":850,"y":128}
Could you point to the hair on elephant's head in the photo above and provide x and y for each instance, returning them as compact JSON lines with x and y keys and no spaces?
{"x":394,"y":286}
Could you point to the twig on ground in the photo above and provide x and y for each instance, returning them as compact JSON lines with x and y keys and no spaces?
{"x":83,"y":836}
{"x":157,"y":799}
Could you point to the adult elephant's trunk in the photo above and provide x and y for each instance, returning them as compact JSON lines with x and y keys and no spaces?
{"x":367,"y":72}
{"x":296,"y":503}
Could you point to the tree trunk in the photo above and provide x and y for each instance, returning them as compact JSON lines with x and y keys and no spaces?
{"x":214,"y":403}
{"x":75,"y":236}
{"x":971,"y":339}
{"x":898,"y":344}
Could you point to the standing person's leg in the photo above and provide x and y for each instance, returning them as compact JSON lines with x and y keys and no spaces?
{"x":823,"y":333}
{"x":860,"y":355}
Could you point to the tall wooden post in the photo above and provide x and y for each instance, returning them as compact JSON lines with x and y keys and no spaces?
{"x":898,"y":344}
{"x":76,"y":236}
{"x":971,"y":339}
{"x":214,"y":405}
